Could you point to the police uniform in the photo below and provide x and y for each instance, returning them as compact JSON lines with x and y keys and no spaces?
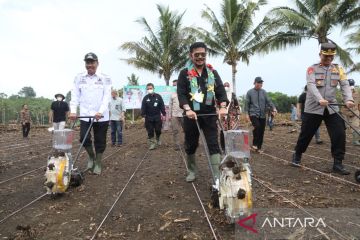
{"x":151,"y":109}
{"x":349,"y":115}
{"x":321,"y":84}
{"x":210,"y":86}
{"x":92,"y":93}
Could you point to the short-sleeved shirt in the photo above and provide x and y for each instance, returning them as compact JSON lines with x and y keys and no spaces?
{"x":116,"y":108}
{"x":59,"y":108}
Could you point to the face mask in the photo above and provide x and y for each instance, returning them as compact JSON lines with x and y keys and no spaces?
{"x":227,"y":89}
{"x":175,"y":87}
{"x":150,"y":91}
{"x":59,"y":98}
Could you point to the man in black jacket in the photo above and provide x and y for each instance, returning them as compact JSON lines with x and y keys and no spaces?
{"x":198,"y":86}
{"x":151,"y":109}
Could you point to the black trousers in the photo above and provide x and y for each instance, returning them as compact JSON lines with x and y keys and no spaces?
{"x":336,"y":129}
{"x":153,"y":125}
{"x":26,"y":129}
{"x":258,"y":131}
{"x":209,"y":127}
{"x":99,"y":130}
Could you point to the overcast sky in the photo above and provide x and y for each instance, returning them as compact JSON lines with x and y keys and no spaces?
{"x":43,"y":43}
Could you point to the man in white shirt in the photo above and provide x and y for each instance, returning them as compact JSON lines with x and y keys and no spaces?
{"x":176,"y":115}
{"x":117,"y":117}
{"x":92,"y":91}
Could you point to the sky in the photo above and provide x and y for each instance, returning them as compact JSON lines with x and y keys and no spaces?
{"x":43,"y":43}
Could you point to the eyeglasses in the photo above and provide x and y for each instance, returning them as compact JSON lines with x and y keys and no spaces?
{"x":202,"y":54}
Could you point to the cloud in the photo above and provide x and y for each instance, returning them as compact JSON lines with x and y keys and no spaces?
{"x":43,"y":44}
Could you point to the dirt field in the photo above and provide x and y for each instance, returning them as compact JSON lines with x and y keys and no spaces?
{"x":158,"y":203}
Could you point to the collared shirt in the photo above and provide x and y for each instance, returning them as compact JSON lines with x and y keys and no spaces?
{"x":184,"y":90}
{"x":59,"y":108}
{"x":93,"y":94}
{"x":25,"y":116}
{"x":321,"y":84}
{"x":257,"y":102}
{"x":116,"y":108}
{"x":175,"y":110}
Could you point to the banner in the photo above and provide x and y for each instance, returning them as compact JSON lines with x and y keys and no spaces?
{"x":133,"y":95}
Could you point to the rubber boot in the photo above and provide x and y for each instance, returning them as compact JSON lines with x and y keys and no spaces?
{"x":339,"y":168}
{"x":91,"y":159}
{"x":296,"y":160}
{"x":158,"y":141}
{"x":355,"y":139}
{"x":97,"y":165}
{"x":152,"y":143}
{"x":191,"y":176}
{"x":215,"y":163}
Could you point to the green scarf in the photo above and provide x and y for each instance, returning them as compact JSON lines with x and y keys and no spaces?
{"x":192,"y":76}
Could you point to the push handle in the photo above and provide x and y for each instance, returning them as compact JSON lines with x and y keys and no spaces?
{"x":331,"y":105}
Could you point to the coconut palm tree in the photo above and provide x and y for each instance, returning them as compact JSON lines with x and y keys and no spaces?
{"x":165,"y":49}
{"x":312,"y":19}
{"x":354,"y":39}
{"x":233,"y":34}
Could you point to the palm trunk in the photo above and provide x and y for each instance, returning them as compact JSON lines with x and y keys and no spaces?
{"x":233,"y":69}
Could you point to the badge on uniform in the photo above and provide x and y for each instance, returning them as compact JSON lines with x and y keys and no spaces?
{"x":148,"y":100}
{"x":199,"y":96}
{"x":155,"y":104}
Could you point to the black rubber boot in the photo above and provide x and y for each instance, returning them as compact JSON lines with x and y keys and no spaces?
{"x":296,"y":160}
{"x":339,"y":168}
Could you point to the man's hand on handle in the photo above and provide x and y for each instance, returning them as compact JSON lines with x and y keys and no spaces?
{"x":191,"y":114}
{"x":323,"y":102}
{"x":350,"y":104}
{"x":98,"y":116}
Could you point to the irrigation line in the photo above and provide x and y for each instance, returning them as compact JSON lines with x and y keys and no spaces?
{"x":22,"y":208}
{"x":198,"y":197}
{"x":40,"y":197}
{"x":44,"y":166}
{"x":292,"y":202}
{"x":316,"y":171}
{"x":120,"y":194}
{"x":312,"y":156}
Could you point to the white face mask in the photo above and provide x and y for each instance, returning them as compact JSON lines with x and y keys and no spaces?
{"x":150,"y":91}
{"x":59,"y":98}
{"x":227,"y":89}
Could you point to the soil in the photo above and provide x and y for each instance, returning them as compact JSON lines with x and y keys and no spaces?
{"x":157,"y":203}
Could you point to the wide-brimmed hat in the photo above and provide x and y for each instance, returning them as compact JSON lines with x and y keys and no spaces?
{"x":259,"y":80}
{"x":59,"y":95}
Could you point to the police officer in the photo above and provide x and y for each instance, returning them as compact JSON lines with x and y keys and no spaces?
{"x":322,"y":80}
{"x":350,"y":117}
{"x":151,"y":109}
{"x":92,"y":91}
{"x":198,"y":86}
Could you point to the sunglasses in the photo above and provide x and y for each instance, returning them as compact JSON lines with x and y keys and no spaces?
{"x":203,"y":54}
